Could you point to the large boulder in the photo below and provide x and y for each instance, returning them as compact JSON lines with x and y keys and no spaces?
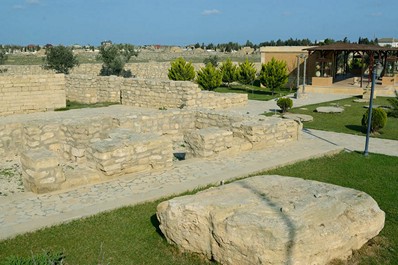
{"x":272,"y":220}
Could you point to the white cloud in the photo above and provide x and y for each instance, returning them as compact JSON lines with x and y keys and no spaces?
{"x":287,"y":14}
{"x":18,"y":7}
{"x":33,"y":2}
{"x":377,"y":14}
{"x":211,"y":12}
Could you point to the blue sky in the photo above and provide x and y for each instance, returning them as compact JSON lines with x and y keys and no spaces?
{"x":182,"y":22}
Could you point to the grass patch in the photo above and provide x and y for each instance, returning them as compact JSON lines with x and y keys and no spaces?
{"x":254,"y":92}
{"x":131,"y":235}
{"x":349,"y":121}
{"x":77,"y":105}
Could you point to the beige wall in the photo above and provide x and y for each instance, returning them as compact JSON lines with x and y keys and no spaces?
{"x":31,"y":93}
{"x":289,"y":55}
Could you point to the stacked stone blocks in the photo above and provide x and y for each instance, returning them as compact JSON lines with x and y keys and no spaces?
{"x":31,"y":93}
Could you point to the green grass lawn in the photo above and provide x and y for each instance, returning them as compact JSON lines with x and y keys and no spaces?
{"x":254,"y":92}
{"x":131,"y":235}
{"x":349,"y":121}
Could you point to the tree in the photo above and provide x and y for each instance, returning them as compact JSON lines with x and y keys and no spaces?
{"x":274,"y":74}
{"x":211,"y":59}
{"x":228,"y":70}
{"x":246,"y":73}
{"x":209,"y":77}
{"x":60,"y":59}
{"x":114,"y":58}
{"x":181,"y":70}
{"x":3,"y":56}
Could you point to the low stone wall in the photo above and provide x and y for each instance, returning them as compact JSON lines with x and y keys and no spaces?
{"x":93,"y":89}
{"x":147,"y":93}
{"x":151,"y":70}
{"x":31,"y":93}
{"x":119,"y":139}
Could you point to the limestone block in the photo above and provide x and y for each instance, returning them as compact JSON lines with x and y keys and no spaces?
{"x":272,"y":220}
{"x":41,"y":171}
{"x":208,"y":141}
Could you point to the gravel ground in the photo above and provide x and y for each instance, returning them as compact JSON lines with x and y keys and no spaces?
{"x":10,"y":178}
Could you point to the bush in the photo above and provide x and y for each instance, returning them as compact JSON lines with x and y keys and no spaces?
{"x":209,"y":77}
{"x":379,"y":119}
{"x":274,"y":74}
{"x":228,"y":71}
{"x":114,"y":58}
{"x":246,"y":73}
{"x":60,"y":59}
{"x":181,"y":70}
{"x":394,"y":106}
{"x":212,"y":59}
{"x":284,"y":104}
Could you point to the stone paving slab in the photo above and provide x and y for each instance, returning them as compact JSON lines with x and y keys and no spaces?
{"x":357,"y":143}
{"x":28,"y":212}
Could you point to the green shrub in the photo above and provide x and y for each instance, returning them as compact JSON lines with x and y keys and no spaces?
{"x":379,"y":119}
{"x":181,"y":70}
{"x":209,"y":77}
{"x":228,"y":70}
{"x":274,"y":74}
{"x":40,"y":259}
{"x":212,"y":59}
{"x":60,"y":59}
{"x":246,"y":73}
{"x":284,"y":104}
{"x":394,"y":106}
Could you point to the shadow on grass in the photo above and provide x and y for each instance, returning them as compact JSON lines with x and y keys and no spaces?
{"x":155,"y":223}
{"x":356,"y":128}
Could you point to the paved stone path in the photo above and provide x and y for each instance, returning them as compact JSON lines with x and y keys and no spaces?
{"x":26,"y":212}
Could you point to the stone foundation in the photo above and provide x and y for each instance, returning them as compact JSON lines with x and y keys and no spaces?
{"x":118,"y":140}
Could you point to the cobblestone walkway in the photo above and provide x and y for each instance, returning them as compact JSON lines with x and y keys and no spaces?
{"x":27,"y":211}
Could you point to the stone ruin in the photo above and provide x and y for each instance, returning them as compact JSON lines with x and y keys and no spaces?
{"x":60,"y":150}
{"x":272,"y":220}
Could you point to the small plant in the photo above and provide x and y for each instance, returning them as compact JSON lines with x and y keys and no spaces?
{"x":273,"y":74}
{"x":246,"y":73}
{"x":394,"y":106}
{"x":284,"y":104}
{"x":60,"y":59}
{"x":181,"y":70}
{"x":228,"y":70}
{"x":209,"y":77}
{"x":379,"y":119}
{"x":162,"y":108}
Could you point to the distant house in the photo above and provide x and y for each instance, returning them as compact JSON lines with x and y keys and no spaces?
{"x":106,"y":43}
{"x":389,"y":42}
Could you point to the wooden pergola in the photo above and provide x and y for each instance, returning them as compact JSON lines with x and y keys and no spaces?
{"x":330,"y":54}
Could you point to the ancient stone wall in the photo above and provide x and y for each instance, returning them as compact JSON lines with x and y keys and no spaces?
{"x":151,"y":70}
{"x":119,"y":140}
{"x":31,"y":93}
{"x":93,"y":89}
{"x":147,"y":93}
